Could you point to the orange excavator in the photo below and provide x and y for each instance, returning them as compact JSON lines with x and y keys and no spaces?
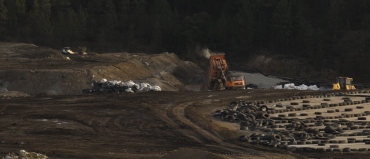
{"x":219,"y":78}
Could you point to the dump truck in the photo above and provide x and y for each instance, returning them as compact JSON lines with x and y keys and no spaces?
{"x":219,"y":77}
{"x":344,"y":83}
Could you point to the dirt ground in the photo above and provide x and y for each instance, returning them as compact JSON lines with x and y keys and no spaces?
{"x":142,"y":125}
{"x":43,"y":110}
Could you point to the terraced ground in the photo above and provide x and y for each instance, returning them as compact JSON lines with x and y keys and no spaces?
{"x":331,"y":122}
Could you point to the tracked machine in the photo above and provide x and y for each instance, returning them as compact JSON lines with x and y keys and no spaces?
{"x":344,"y":83}
{"x":219,"y":78}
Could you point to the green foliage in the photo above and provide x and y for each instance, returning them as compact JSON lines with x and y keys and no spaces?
{"x":282,"y":26}
{"x":3,"y":19}
{"x":3,"y":12}
{"x":325,"y":33}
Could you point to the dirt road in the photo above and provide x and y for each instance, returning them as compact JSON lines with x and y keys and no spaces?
{"x":143,"y":125}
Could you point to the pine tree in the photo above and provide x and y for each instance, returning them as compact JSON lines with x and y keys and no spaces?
{"x":303,"y":31}
{"x":282,"y":26}
{"x":243,"y":32}
{"x":40,"y":15}
{"x":3,"y":19}
{"x":156,"y":40}
{"x":3,"y":12}
{"x":83,"y":16}
{"x":109,"y":17}
{"x":161,"y":11}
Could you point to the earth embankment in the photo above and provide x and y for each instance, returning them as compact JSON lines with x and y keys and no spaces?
{"x":33,"y":70}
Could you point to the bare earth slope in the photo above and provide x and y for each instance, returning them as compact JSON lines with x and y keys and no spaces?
{"x":31,"y":69}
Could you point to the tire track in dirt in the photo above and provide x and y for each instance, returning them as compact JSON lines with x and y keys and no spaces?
{"x":1,"y":110}
{"x":179,"y":113}
{"x":117,"y":122}
{"x":214,"y":141}
{"x":162,"y":114}
{"x":103,"y":121}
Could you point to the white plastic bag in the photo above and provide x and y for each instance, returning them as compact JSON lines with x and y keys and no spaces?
{"x":129,"y":90}
{"x":278,"y":87}
{"x":144,"y":85}
{"x":155,"y":88}
{"x":130,"y":83}
{"x":289,"y":86}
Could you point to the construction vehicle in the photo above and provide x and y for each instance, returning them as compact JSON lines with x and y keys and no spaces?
{"x":344,"y":83}
{"x":219,"y":77}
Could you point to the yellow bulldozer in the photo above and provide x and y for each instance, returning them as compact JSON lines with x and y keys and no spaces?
{"x":344,"y":83}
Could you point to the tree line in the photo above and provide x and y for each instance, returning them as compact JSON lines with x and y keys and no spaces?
{"x":329,"y":30}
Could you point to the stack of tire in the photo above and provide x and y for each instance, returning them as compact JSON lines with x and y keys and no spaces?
{"x":238,"y":111}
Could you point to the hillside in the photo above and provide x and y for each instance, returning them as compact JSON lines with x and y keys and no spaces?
{"x":33,"y":70}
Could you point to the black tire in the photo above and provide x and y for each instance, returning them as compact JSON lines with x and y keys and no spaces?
{"x":348,"y":109}
{"x":277,"y":137}
{"x":282,"y":115}
{"x":303,"y":114}
{"x":264,"y":108}
{"x":361,"y":118}
{"x":334,"y":146}
{"x":294,"y":103}
{"x":265,"y":116}
{"x":292,"y":114}
{"x":318,"y":113}
{"x":327,"y":99}
{"x":330,"y":111}
{"x":362,"y":149}
{"x":321,"y":144}
{"x":306,"y":101}
{"x":232,"y":104}
{"x":347,"y":149}
{"x":251,"y":116}
{"x":360,"y":107}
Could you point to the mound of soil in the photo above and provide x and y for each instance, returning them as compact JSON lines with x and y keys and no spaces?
{"x":35,"y":70}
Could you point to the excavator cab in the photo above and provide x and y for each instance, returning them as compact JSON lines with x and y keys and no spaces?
{"x":344,"y":83}
{"x":235,"y":81}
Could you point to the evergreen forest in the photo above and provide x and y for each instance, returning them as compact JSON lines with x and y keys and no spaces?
{"x":324,"y":32}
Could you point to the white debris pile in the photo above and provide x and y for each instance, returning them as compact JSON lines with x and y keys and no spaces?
{"x":291,"y":86}
{"x":3,"y":90}
{"x":25,"y":155}
{"x":116,"y":86}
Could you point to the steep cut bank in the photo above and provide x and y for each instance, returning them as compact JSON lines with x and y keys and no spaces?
{"x":33,"y":70}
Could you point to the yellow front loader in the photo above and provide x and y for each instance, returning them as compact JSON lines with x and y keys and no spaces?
{"x":344,"y":83}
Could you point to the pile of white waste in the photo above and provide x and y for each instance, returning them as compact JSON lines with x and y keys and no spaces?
{"x":291,"y":86}
{"x":116,"y":86}
{"x":25,"y":155}
{"x":3,"y":90}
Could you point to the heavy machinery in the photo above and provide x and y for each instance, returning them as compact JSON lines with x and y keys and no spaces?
{"x":219,"y":78}
{"x":344,"y":83}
